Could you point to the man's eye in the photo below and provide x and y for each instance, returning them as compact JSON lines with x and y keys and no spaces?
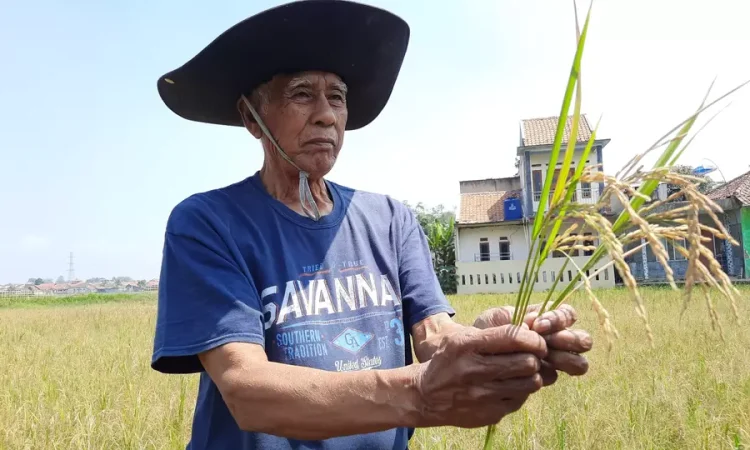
{"x":301,"y":94}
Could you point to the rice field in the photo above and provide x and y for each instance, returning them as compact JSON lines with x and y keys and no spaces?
{"x":77,"y":377}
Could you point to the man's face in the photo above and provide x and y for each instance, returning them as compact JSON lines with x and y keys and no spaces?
{"x":306,"y":113}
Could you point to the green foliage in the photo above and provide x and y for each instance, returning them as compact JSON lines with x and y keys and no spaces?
{"x":704,"y":186}
{"x":438,"y":225}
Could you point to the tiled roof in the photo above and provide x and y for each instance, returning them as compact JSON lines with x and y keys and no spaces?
{"x":738,"y":188}
{"x":483,"y":207}
{"x":542,"y":131}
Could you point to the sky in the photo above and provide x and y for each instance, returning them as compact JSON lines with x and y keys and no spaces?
{"x":92,"y":162}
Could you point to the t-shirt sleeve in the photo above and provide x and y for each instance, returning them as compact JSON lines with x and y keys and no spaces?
{"x":206,"y":298}
{"x":420,"y":289}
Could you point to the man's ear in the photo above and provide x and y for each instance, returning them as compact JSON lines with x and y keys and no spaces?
{"x":247,"y":119}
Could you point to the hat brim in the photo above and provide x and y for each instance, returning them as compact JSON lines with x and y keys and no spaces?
{"x":363,"y":45}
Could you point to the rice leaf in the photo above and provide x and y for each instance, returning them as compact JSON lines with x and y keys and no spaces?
{"x":574,"y":71}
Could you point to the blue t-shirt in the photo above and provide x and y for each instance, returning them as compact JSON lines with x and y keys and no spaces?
{"x":339,"y":294}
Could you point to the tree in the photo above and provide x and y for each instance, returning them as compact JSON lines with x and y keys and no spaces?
{"x":703,"y":187}
{"x":60,"y":280}
{"x":439,"y":228}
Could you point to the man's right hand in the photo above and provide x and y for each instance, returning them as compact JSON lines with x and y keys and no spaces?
{"x":477,"y":377}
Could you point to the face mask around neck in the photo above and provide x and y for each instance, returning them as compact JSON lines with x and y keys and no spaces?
{"x":305,"y":195}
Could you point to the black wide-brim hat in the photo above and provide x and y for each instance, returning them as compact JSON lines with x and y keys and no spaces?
{"x":363,"y":45}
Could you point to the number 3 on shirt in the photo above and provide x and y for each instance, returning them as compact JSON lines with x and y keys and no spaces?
{"x":398,"y":325}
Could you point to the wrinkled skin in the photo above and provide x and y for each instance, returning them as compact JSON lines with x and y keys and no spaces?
{"x":477,"y":377}
{"x":565,"y":346}
{"x":479,"y":374}
{"x":307,"y":114}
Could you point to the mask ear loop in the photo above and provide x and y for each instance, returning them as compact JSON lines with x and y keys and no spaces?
{"x":305,"y":195}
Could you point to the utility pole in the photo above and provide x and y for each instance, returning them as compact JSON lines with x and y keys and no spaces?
{"x":71,"y":271}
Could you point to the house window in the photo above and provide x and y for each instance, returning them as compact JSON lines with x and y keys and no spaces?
{"x":589,"y":242}
{"x":573,"y":252}
{"x":536,"y":180}
{"x":504,"y":249}
{"x":463,"y":280}
{"x":486,"y":279}
{"x":585,"y":189}
{"x":484,"y":249}
{"x":471,"y":279}
{"x":494,"y":279}
{"x":672,"y":250}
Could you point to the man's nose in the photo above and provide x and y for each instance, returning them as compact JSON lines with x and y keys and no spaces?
{"x":323,"y":114}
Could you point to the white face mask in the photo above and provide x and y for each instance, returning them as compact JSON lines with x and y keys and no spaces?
{"x":305,"y":196}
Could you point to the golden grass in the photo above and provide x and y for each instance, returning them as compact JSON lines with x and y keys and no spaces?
{"x":78,"y":377}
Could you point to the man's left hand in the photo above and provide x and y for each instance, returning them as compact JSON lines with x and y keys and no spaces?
{"x":565,"y":345}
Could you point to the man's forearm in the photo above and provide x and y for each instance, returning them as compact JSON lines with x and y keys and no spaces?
{"x":311,"y":404}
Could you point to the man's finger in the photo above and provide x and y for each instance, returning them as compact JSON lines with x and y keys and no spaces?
{"x":508,"y":339}
{"x":515,"y":388}
{"x":495,"y":317}
{"x":548,"y":373}
{"x":576,"y":341}
{"x":570,"y":363}
{"x":476,"y":368}
{"x":557,"y":319}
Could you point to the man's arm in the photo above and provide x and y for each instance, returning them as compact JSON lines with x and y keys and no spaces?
{"x":310,"y":404}
{"x":480,"y":377}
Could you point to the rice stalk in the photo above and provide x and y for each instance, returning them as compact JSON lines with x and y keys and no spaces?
{"x":673,"y":221}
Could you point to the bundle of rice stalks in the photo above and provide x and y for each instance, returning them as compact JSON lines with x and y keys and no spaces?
{"x":642,"y":221}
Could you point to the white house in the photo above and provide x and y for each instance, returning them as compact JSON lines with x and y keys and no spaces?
{"x":493,"y":224}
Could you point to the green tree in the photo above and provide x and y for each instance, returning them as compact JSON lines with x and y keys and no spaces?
{"x":438,"y":225}
{"x":704,"y":186}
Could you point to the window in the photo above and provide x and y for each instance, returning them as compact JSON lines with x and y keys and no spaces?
{"x":673,"y":251}
{"x":573,"y":252}
{"x":585,"y":189}
{"x":463,"y":280}
{"x":536,"y":180}
{"x":484,"y":249}
{"x":504,"y":248}
{"x":494,"y":279}
{"x":471,"y":279}
{"x":589,"y":242}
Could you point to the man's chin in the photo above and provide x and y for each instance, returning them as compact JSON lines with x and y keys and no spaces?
{"x":319,"y":169}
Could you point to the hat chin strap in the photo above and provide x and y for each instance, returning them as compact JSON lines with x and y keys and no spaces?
{"x":305,"y":195}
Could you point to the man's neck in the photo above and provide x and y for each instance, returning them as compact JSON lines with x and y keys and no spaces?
{"x":284,"y":187}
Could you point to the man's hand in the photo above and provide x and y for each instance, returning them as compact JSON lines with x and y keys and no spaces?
{"x":565,"y":345}
{"x":476,"y":377}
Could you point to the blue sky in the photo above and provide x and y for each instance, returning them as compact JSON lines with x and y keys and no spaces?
{"x":93,"y":162}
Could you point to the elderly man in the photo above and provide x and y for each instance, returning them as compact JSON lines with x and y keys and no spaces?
{"x":300,"y":301}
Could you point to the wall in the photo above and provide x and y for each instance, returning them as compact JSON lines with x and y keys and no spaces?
{"x":738,"y":266}
{"x":468,"y":241}
{"x":505,"y":276}
{"x":745,"y":221}
{"x":533,"y":158}
{"x":490,"y":185}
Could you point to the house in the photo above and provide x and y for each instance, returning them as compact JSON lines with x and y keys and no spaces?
{"x":495,"y":217}
{"x":734,"y":200}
